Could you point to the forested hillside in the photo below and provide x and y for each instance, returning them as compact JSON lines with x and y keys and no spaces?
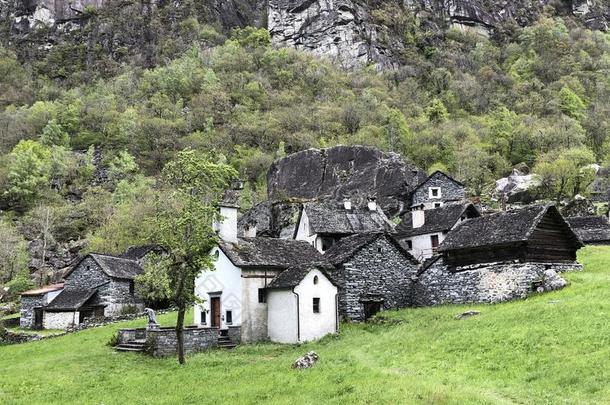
{"x":82,"y":144}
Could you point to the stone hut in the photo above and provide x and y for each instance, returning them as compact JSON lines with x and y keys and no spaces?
{"x":500,"y":257}
{"x":373,"y":273}
{"x":322,"y":224}
{"x":422,"y":231}
{"x":437,"y":190}
{"x":33,"y":301}
{"x":592,"y":230}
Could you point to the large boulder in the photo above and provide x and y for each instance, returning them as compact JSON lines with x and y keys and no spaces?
{"x":355,"y":172}
{"x":518,"y":188}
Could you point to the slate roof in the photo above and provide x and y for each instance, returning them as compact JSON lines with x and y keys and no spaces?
{"x":591,"y":229}
{"x":499,"y":229}
{"x":138,"y":252}
{"x":347,"y":247}
{"x":292,"y":276}
{"x":442,"y":174}
{"x":333,"y":218}
{"x":440,"y":219}
{"x":113,"y":266}
{"x":43,"y":290}
{"x":70,"y":300}
{"x":271,"y":252}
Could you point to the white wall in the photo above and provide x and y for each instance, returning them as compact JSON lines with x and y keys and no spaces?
{"x":422,"y":245}
{"x":50,"y":296}
{"x":254,"y":318}
{"x":316,"y":325}
{"x":304,"y":231}
{"x":59,"y":320}
{"x":226,"y":279}
{"x":282,"y":317}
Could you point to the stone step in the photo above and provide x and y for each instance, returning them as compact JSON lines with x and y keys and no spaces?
{"x":137,"y":341}
{"x":123,"y":348}
{"x":132,"y":345}
{"x":227,"y":345}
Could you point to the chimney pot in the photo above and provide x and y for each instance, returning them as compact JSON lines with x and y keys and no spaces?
{"x":418,"y":216}
{"x":347,"y":203}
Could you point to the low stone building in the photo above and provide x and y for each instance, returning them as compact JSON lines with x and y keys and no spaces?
{"x":422,"y":231}
{"x":97,"y":286}
{"x":33,"y":301}
{"x":322,"y":224}
{"x":592,"y":230}
{"x":437,"y":190}
{"x":500,"y":257}
{"x":373,"y":273}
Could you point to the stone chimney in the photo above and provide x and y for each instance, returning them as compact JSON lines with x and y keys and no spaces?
{"x":419,"y":216}
{"x":250,"y":230}
{"x":227,"y":227}
{"x":372,"y":204}
{"x":347,"y":204}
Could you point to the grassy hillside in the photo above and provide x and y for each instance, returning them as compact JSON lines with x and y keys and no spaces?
{"x":552,"y":348}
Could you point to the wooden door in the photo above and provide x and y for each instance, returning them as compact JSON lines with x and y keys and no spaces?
{"x":215,"y":311}
{"x":434,"y":240}
{"x":38,"y":318}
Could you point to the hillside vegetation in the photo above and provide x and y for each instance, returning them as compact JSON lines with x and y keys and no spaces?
{"x":469,"y":105}
{"x":549,"y":349}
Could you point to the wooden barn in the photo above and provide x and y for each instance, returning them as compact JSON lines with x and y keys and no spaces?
{"x":536,"y":233}
{"x":592,"y":230}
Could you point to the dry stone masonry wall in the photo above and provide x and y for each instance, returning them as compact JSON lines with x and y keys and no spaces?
{"x":488,"y":283}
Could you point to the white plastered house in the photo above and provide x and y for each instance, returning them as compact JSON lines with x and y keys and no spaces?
{"x":422,"y":231}
{"x":235,"y":293}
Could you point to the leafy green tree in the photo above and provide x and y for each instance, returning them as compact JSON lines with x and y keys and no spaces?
{"x":571,"y":104}
{"x":14,"y":255}
{"x":185,"y":212}
{"x":28,"y":176}
{"x":54,"y":135}
{"x":566,"y":173}
{"x":436,"y":111}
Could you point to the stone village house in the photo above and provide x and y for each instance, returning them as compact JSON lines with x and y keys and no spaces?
{"x":500,"y":257}
{"x":322,"y":224}
{"x":592,"y":230}
{"x":373,"y":273}
{"x":97,"y":286}
{"x":437,"y":190}
{"x":422,"y":231}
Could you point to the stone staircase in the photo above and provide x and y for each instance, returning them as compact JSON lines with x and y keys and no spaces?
{"x":131,"y":346}
{"x":225,"y":342}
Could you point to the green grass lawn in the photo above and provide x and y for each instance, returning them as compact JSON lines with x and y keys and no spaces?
{"x":549,"y":349}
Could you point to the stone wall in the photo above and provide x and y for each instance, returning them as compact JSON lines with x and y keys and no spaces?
{"x":60,"y":320}
{"x":379,"y":270}
{"x":235,"y":334}
{"x":450,"y":190}
{"x":28,"y":303}
{"x":163,"y":342}
{"x":488,"y":283}
{"x":113,"y":293}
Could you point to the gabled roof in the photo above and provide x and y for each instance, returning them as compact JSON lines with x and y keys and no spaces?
{"x":347,"y":247}
{"x":591,"y":229}
{"x":333,"y":218}
{"x":270,"y":252}
{"x":502,"y":228}
{"x":113,"y":266}
{"x":70,"y":300}
{"x":138,"y":252}
{"x":439,"y":173}
{"x":292,"y":276}
{"x":43,"y":290}
{"x":440,"y":219}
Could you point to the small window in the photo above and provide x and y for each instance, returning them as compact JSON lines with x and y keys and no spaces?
{"x":262,"y":295}
{"x":203,"y":315}
{"x":229,"y":317}
{"x":437,"y":205}
{"x":316,"y":305}
{"x":434,"y":192}
{"x":315,"y":279}
{"x":379,"y":250}
{"x":409,"y":245}
{"x":132,"y":287}
{"x":216,"y":254}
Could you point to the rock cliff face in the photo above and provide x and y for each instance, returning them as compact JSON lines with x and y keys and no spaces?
{"x":346,"y":31}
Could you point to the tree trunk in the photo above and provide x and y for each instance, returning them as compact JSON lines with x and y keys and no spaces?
{"x":180,"y":334}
